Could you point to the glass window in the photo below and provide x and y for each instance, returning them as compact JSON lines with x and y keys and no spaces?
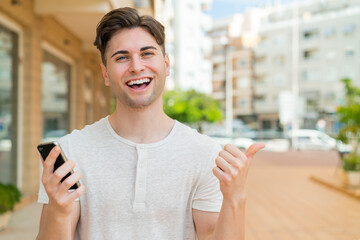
{"x":55,"y":96}
{"x":8,"y":104}
{"x":348,"y":29}
{"x":329,"y":32}
{"x":280,"y":79}
{"x":311,"y":54}
{"x":311,"y":34}
{"x":349,"y":53}
{"x":279,"y":60}
{"x":311,"y":75}
{"x":243,"y":82}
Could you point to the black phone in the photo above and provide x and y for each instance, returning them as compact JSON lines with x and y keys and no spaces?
{"x":45,"y":148}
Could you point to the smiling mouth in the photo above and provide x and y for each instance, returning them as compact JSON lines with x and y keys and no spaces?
{"x":139,"y":83}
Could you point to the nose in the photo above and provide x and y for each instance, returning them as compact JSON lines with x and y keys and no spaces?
{"x":136,"y":65}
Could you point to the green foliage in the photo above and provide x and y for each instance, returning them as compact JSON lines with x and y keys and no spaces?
{"x":351,"y":163}
{"x":191,"y":107}
{"x":349,"y":116}
{"x":9,"y":195}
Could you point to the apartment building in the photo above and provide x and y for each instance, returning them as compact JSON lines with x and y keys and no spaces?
{"x":327,"y":34}
{"x":50,"y":79}
{"x":233,"y":73}
{"x":191,"y":46}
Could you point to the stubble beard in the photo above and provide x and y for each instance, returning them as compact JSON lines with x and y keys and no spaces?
{"x":138,"y":104}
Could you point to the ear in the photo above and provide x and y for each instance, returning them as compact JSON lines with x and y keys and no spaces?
{"x":105,"y":74}
{"x":167,"y":64}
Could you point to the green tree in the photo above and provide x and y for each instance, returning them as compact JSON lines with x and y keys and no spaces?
{"x":349,"y":116}
{"x":191,"y":107}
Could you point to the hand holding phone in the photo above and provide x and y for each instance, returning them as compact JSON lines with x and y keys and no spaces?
{"x":45,"y":149}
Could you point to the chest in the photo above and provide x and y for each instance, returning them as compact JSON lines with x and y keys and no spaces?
{"x":138,"y":179}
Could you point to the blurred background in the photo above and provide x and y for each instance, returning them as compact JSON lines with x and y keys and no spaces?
{"x":281,"y":72}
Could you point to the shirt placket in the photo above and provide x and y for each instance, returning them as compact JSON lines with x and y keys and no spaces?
{"x":140,"y":182}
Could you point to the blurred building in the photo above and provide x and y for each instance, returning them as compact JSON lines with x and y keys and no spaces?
{"x":326,"y":37}
{"x":50,"y":78}
{"x":232,"y":62}
{"x":328,"y":50}
{"x":191,"y":46}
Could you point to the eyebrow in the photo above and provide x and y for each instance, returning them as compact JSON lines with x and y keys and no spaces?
{"x":127,"y":52}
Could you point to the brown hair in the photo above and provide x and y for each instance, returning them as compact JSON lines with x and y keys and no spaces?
{"x":126,"y":17}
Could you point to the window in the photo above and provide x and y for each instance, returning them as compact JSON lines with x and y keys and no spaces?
{"x":266,"y":124}
{"x":260,"y":60}
{"x":279,"y":60}
{"x":349,"y":72}
{"x":350,"y":53}
{"x":311,"y":34}
{"x":329,"y":32}
{"x":243,"y":102}
{"x":348,"y":29}
{"x":260,"y":98}
{"x":55,"y":94}
{"x":310,"y":75}
{"x":141,"y":3}
{"x":243,"y":82}
{"x":280,"y":79}
{"x":279,"y":41}
{"x":8,"y":104}
{"x":311,"y":54}
{"x":260,"y":79}
{"x":331,"y":74}
{"x":241,"y":63}
{"x":330,"y":54}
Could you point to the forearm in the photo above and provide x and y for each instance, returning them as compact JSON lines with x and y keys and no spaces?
{"x":231,"y":221}
{"x":54,"y":225}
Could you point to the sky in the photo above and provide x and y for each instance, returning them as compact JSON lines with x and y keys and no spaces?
{"x":226,"y":8}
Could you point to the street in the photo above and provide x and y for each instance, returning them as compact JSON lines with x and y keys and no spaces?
{"x":283,"y":202}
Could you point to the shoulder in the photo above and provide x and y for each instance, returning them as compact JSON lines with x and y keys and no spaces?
{"x":195,"y":140}
{"x":89,"y":135}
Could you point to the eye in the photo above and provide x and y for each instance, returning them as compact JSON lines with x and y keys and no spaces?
{"x":121,"y":58}
{"x":146,"y":54}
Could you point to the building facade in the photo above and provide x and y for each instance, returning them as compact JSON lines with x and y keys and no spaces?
{"x":301,"y":51}
{"x":327,"y":39}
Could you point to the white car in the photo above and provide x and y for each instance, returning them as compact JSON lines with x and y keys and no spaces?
{"x":308,"y":139}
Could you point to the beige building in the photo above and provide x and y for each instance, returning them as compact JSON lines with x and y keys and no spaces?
{"x":233,"y":74}
{"x":50,"y":79}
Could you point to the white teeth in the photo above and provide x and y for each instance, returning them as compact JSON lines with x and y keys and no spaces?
{"x":139,"y":81}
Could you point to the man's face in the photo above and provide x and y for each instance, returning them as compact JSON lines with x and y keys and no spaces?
{"x":136,"y":68}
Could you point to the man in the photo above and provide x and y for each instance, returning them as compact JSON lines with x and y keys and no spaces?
{"x":147,"y":176}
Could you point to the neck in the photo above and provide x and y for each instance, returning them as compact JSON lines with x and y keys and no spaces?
{"x":146,"y":125}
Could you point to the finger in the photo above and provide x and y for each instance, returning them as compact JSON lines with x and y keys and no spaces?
{"x":61,"y":172}
{"x":222,"y":164}
{"x":50,"y":161}
{"x":69,"y":182}
{"x":253,"y":149}
{"x":219,"y":174}
{"x":70,"y":197}
{"x":234,"y":151}
{"x":73,"y":195}
{"x":231,"y":159}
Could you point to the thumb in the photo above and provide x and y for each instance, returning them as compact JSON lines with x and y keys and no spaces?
{"x":253,"y":149}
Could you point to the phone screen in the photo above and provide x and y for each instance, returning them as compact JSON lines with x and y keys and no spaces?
{"x":45,"y":149}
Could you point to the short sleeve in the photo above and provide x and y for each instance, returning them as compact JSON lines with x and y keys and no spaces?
{"x":42,"y":196}
{"x":208,"y":196}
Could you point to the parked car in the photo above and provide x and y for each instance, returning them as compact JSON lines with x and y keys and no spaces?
{"x":308,"y":139}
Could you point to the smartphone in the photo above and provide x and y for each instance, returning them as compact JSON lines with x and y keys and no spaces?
{"x":45,"y":148}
